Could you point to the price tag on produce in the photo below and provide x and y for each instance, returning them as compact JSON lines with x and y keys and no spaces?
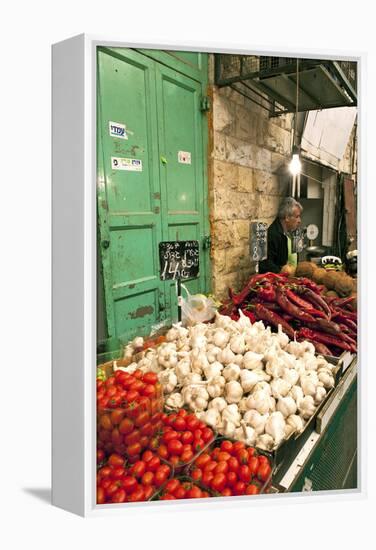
{"x":258,"y":241}
{"x":179,"y":260}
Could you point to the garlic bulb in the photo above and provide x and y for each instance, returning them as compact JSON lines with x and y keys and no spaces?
{"x":319,"y":395}
{"x":212,"y":417}
{"x":296,"y":393}
{"x":248,"y":379}
{"x":237,"y":344}
{"x":182,"y":369}
{"x":227,"y":428}
{"x":279,"y":387}
{"x":221,"y":338}
{"x":138,"y":342}
{"x":256,"y":420}
{"x":168,"y":379}
{"x":242,"y":405}
{"x":231,"y":372}
{"x":212,"y":353}
{"x":243,"y":322}
{"x":233,"y":392}
{"x":252,"y":360}
{"x":226,"y":356}
{"x":275,"y":367}
{"x":199,"y":341}
{"x":192,"y":378}
{"x":308,"y":385}
{"x":231,"y":413}
{"x":306,"y":406}
{"x":238,"y":360}
{"x":294,"y":423}
{"x":218,"y":403}
{"x":265,"y":441}
{"x":199,"y":360}
{"x":326,"y":378}
{"x":213,"y":369}
{"x":286,"y":405}
{"x":290,"y":375}
{"x":259,"y":400}
{"x":246,"y":434}
{"x":175,"y":401}
{"x":262,"y":385}
{"x":275,"y":426}
{"x":215,"y":386}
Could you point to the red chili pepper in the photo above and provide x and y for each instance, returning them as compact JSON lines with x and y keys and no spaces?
{"x":325,"y":339}
{"x":274,"y":319}
{"x":307,"y":306}
{"x":321,"y":348}
{"x":341,"y":302}
{"x":249,"y":314}
{"x":341,"y":318}
{"x":316,"y":299}
{"x":291,"y":308}
{"x":266,"y":293}
{"x":239,"y":298}
{"x":325,"y":326}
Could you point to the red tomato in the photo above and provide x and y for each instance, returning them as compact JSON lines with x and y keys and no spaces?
{"x":239,"y":445}
{"x":232,"y":479}
{"x":186,"y":437}
{"x":160,"y":477}
{"x":117,"y":416}
{"x":134,"y":449}
{"x":148,"y":428}
{"x":132,"y":437}
{"x":162,"y":451}
{"x":101,"y":496}
{"x":197,"y":474}
{"x":147,"y":478}
{"x":205,"y":494}
{"x":207,"y":434}
{"x":154,"y":464}
{"x":264,"y":471}
{"x":192,"y":422}
{"x":226,"y":446}
{"x":175,"y":447}
{"x":207,"y":478}
{"x":154,"y":443}
{"x":148,"y":390}
{"x":194,"y":492}
{"x":253,"y":464}
{"x":116,"y":437}
{"x":179,"y":424}
{"x":182,"y":412}
{"x":202,"y":460}
{"x":132,"y":396}
{"x":198,"y":445}
{"x":133,"y":459}
{"x":197,"y":434}
{"x":242,"y":456}
{"x":149,"y":491}
{"x":100,"y":455}
{"x":138,"y":374}
{"x":119,"y":496}
{"x":118,"y":472}
{"x":263,"y":459}
{"x":251,"y":452}
{"x":138,"y":469}
{"x":142,"y":418}
{"x":150,"y":378}
{"x":137,"y":495}
{"x":223,"y":456}
{"x":147,"y":456}
{"x":170,"y":419}
{"x":105,"y":422}
{"x":215,"y":452}
{"x":144,"y":441}
{"x":105,"y":483}
{"x":168,"y":496}
{"x":126,"y":426}
{"x":210,"y":466}
{"x":221,"y":468}
{"x":244,"y":473}
{"x":172,"y":485}
{"x":226,"y":492}
{"x":112,"y":488}
{"x":218,"y":482}
{"x":174,"y":460}
{"x":186,"y":456}
{"x":111,"y":392}
{"x":105,"y":471}
{"x":252,"y":490}
{"x":169,"y":435}
{"x":233,"y":464}
{"x":239,"y":488}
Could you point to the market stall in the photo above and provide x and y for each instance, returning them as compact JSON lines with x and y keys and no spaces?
{"x":251,"y":401}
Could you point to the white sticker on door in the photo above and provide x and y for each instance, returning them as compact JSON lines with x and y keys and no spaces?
{"x":133,"y":165}
{"x":184,"y":157}
{"x":117,"y":130}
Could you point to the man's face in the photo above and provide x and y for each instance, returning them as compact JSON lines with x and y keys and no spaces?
{"x":293,"y":221}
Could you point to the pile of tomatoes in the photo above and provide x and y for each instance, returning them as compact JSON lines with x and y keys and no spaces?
{"x":119,"y":481}
{"x":183,"y":437}
{"x":231,"y":468}
{"x":129,"y":408}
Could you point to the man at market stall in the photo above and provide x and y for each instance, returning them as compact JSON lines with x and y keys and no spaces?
{"x":280,"y":256}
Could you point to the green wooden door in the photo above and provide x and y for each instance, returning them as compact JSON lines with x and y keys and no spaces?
{"x":151,"y":185}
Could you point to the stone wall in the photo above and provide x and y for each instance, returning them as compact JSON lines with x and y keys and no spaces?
{"x":250,"y":152}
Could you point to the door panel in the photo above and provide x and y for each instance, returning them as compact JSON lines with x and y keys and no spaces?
{"x":165,"y":200}
{"x":129,"y":201}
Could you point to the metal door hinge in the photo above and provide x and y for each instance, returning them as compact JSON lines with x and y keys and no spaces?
{"x":205,"y":104}
{"x":206,"y":243}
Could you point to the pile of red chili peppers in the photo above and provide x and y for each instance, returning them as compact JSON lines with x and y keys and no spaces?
{"x":297,"y":304}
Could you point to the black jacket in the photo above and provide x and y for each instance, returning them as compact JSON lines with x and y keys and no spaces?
{"x":277,"y":249}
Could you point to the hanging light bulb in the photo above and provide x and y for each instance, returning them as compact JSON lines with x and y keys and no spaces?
{"x":295,"y":165}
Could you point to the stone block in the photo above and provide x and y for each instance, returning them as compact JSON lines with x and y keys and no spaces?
{"x":218,"y":257}
{"x":225,"y":174}
{"x":219,"y":146}
{"x":223,"y":115}
{"x":245,"y":181}
{"x":222,"y":233}
{"x":241,"y":231}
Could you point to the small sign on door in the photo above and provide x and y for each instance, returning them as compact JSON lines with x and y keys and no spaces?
{"x":184,"y":157}
{"x":117,"y":130}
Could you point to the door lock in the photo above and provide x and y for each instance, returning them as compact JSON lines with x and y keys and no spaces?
{"x":105,"y":244}
{"x":206,"y":243}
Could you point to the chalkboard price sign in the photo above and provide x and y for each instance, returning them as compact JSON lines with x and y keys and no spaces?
{"x":179,"y":259}
{"x":258,"y":241}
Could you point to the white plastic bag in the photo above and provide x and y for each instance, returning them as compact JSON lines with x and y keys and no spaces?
{"x":196,"y":308}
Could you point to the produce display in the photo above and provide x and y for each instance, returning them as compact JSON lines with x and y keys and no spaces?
{"x":300,"y":307}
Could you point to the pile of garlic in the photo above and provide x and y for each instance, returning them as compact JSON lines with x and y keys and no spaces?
{"x":240,"y":378}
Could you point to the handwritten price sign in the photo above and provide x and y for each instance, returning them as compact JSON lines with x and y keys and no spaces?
{"x":179,"y":260}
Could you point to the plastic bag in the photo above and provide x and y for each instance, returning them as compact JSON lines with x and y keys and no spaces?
{"x":196,"y":308}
